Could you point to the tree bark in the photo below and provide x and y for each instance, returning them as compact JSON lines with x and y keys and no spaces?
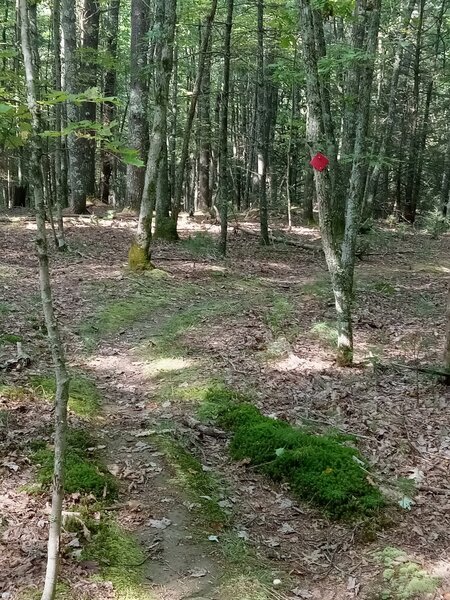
{"x":165,"y":19}
{"x":137,"y":107}
{"x":340,"y":255}
{"x":56,"y":346}
{"x":111,"y":27}
{"x":88,"y":110}
{"x":263,"y":129}
{"x":60,"y":188}
{"x":204,"y":114}
{"x":223,"y":136}
{"x":74,"y":143}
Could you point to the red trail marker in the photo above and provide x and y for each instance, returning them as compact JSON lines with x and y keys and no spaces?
{"x":319,"y":162}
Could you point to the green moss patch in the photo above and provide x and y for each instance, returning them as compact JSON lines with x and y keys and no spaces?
{"x":121,"y":561}
{"x":326,"y":332}
{"x":402,"y":578}
{"x":10,"y":338}
{"x":84,"y":398}
{"x":83,"y":472}
{"x":322,"y":469}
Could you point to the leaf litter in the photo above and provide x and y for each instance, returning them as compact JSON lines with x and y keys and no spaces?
{"x":399,"y":418}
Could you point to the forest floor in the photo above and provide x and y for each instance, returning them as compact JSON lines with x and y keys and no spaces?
{"x":261,"y":322}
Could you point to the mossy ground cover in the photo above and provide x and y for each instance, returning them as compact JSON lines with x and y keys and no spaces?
{"x":203,"y":488}
{"x":120,"y":558}
{"x":322,"y":469}
{"x":403,"y":578}
{"x":84,"y":398}
{"x":84,"y":473}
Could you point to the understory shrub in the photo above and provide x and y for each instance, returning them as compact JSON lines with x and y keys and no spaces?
{"x":319,"y":468}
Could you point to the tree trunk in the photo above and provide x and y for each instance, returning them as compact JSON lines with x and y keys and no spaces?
{"x":60,"y":201}
{"x":409,"y":207}
{"x":263,"y":129}
{"x":88,"y":110}
{"x":389,"y":121}
{"x":165,"y":226}
{"x":340,"y":256}
{"x":111,"y":27}
{"x":191,"y":112}
{"x":223,"y":136}
{"x":165,"y":19}
{"x":56,"y":346}
{"x":137,"y":108}
{"x":204,"y":114}
{"x":74,"y":143}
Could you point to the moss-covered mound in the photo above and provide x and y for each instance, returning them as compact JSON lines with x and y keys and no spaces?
{"x":319,"y":468}
{"x":82,"y":474}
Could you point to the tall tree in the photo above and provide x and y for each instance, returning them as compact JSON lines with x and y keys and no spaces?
{"x":75,"y":146}
{"x":263,"y":128}
{"x":192,"y":109}
{"x":340,"y":252}
{"x":165,"y":19}
{"x":137,"y":108}
{"x":111,"y":27}
{"x":224,"y":186}
{"x":88,"y":77}
{"x":56,"y":346}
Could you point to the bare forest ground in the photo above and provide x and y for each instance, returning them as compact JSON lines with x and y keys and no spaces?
{"x":262,"y":322}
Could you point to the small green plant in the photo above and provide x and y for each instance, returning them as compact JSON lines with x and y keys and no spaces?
{"x":84,"y":398}
{"x":319,"y":468}
{"x":13,"y":392}
{"x":402,"y":578}
{"x":435,"y":223}
{"x":82,"y":473}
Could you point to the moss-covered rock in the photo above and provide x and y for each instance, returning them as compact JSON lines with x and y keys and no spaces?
{"x":321,"y":469}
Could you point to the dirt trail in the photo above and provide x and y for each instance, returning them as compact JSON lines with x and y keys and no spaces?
{"x":178,"y":566}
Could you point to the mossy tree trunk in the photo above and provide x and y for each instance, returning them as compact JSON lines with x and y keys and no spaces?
{"x":56,"y":346}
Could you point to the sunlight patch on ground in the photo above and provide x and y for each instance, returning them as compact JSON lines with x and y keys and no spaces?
{"x":443,"y":268}
{"x":164,"y":365}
